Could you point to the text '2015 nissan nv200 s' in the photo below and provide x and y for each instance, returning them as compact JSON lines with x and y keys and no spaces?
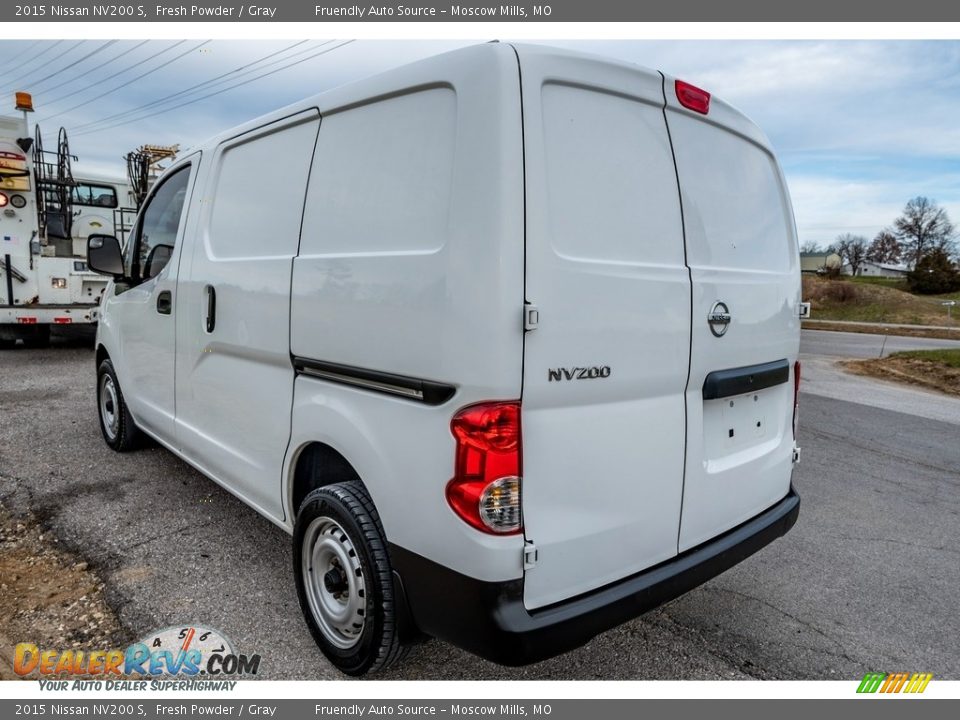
{"x":506,"y":338}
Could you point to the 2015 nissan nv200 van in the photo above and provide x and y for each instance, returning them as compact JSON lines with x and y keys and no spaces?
{"x":506,"y":338}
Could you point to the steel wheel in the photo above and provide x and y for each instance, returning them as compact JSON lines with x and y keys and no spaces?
{"x":116,"y":423}
{"x":109,"y":407}
{"x":334,"y":583}
{"x":345,"y":584}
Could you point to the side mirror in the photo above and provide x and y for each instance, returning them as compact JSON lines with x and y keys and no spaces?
{"x":104,"y":255}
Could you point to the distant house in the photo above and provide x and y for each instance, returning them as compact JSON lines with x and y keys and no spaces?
{"x":819,"y":262}
{"x":883,"y":270}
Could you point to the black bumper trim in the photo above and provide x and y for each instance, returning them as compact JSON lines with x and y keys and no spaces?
{"x":738,"y":381}
{"x":490,"y":620}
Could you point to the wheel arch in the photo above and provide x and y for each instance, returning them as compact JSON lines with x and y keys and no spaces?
{"x":317,"y":465}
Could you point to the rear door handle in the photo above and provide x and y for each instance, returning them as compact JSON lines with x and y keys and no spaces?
{"x":164,"y":303}
{"x":211,"y":308}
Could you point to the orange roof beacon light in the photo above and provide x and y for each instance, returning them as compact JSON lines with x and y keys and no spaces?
{"x":24,"y":101}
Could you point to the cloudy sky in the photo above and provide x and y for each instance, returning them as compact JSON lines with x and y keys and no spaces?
{"x":859,"y":126}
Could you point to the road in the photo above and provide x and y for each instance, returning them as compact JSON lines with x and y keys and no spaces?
{"x":867,"y":579}
{"x":863,"y":345}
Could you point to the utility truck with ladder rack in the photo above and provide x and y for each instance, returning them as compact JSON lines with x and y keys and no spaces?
{"x":45,"y":216}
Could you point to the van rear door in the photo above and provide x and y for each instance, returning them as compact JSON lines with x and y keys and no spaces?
{"x":606,"y":366}
{"x":744,"y":266}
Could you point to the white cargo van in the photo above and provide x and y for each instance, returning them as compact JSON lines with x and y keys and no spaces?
{"x":507,"y":339}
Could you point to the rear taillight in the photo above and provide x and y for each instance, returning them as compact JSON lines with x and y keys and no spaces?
{"x":796,"y":395}
{"x":692,"y":97}
{"x":485,"y":489}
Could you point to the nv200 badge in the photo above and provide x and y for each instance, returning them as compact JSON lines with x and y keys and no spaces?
{"x":597,"y":372}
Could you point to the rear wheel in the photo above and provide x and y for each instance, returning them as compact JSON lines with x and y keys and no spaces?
{"x":344,"y":579}
{"x":9,"y":334}
{"x":116,"y":423}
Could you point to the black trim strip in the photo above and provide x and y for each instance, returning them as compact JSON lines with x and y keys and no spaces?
{"x":738,"y":381}
{"x":425,"y":391}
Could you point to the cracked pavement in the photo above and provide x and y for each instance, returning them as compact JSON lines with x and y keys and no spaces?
{"x":867,"y":580}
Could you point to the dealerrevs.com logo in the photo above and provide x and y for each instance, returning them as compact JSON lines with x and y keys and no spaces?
{"x":191,"y":652}
{"x":894,"y":683}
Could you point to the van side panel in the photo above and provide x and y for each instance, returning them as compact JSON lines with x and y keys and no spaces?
{"x":606,"y":366}
{"x":411,"y":263}
{"x":742,"y":251}
{"x":234,"y":379}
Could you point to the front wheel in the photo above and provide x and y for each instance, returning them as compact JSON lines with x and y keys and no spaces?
{"x":344,"y":579}
{"x":116,"y":423}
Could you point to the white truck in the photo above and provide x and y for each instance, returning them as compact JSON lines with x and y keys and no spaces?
{"x":45,"y":217}
{"x":506,"y":339}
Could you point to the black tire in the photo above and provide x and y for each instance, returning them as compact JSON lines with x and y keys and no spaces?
{"x":377,"y":645}
{"x":8,"y":336}
{"x":37,"y":337}
{"x":119,"y":430}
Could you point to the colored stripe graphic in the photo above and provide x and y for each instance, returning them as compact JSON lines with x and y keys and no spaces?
{"x":894,"y":682}
{"x":871,"y":682}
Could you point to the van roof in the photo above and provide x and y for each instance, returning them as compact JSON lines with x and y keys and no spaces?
{"x":416,"y":73}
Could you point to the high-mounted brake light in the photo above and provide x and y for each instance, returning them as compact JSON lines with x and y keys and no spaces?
{"x":796,"y":395}
{"x":485,"y":489}
{"x":692,"y":97}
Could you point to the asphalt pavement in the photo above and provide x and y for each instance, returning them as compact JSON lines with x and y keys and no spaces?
{"x":864,"y":345}
{"x":867,"y":579}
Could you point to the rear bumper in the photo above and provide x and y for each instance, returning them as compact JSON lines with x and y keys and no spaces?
{"x":490,"y":620}
{"x":48,"y":314}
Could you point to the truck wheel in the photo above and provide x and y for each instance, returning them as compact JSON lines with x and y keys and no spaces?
{"x":37,"y":337}
{"x":119,"y":430}
{"x":344,"y":579}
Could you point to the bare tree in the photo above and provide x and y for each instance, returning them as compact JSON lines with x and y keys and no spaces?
{"x":924,"y":226}
{"x":885,"y":248}
{"x":852,"y":250}
{"x":810,"y":246}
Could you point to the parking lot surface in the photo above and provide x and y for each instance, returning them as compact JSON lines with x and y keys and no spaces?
{"x":867,"y":579}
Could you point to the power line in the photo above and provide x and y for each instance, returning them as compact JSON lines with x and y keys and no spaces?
{"x":47,"y":49}
{"x":119,"y":72}
{"x":97,"y":67}
{"x":206,"y":83}
{"x":132,"y":80}
{"x":213,"y":94}
{"x":21,"y":79}
{"x":90,"y":54}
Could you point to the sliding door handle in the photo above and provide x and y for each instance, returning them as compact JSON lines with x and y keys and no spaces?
{"x":164,"y":302}
{"x":211,"y":308}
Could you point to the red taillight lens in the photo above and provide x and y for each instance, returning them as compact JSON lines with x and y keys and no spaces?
{"x":692,"y":97}
{"x":3,"y":200}
{"x":485,"y":489}
{"x":796,"y":395}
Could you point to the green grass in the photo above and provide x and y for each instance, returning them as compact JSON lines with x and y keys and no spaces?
{"x":895,"y":283}
{"x":950,"y":358}
{"x":873,"y":300}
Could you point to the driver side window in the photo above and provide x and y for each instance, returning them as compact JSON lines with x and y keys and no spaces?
{"x":151,"y":245}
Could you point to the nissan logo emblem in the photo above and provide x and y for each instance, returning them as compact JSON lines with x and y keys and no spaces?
{"x":718,"y":319}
